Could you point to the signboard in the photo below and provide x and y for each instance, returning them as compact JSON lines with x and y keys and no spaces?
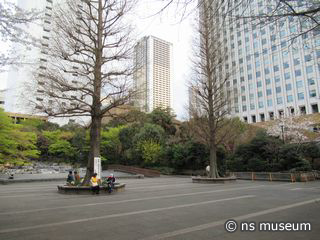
{"x":97,"y":167}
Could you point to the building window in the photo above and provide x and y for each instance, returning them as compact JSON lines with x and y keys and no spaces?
{"x":300,"y":96}
{"x":289,"y":98}
{"x":285,"y":53}
{"x":260,"y":94}
{"x":296,"y":61}
{"x":268,"y":81}
{"x":299,"y":84}
{"x":297,"y":73}
{"x":259,"y":84}
{"x":285,"y":65}
{"x":252,"y":107}
{"x":258,"y":74}
{"x":265,"y":51}
{"x":260,"y":104}
{"x":277,"y":79}
{"x":309,"y":69}
{"x":279,"y":100}
{"x":269,"y":92}
{"x":282,"y":33}
{"x":311,"y":81}
{"x":307,"y":58}
{"x":269,"y":102}
{"x":244,"y":108}
{"x":278,"y":89}
{"x":287,"y":76}
{"x":293,"y":29}
{"x":266,"y":71}
{"x":288,"y":87}
{"x":312,"y":93}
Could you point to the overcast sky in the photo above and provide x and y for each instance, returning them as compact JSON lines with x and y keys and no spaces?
{"x":166,"y":26}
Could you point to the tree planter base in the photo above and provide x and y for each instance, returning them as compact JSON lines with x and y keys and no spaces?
{"x":118,"y":187}
{"x":213,"y":180}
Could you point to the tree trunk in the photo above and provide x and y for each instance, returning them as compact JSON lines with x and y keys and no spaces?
{"x":213,"y":163}
{"x":95,"y":138}
{"x":96,"y":117}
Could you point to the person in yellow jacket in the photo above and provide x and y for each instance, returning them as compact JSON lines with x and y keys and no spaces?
{"x":95,"y":184}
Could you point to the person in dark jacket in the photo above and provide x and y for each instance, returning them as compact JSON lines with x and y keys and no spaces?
{"x":70,"y":178}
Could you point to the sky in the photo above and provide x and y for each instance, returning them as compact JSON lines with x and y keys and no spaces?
{"x":167,"y":26}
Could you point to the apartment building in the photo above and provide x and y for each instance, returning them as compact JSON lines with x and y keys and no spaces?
{"x":153,"y":73}
{"x":20,"y":76}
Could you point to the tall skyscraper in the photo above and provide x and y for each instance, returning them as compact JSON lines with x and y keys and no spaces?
{"x":153,"y":73}
{"x":16,"y":98}
{"x":23,"y":93}
{"x":275,"y":70}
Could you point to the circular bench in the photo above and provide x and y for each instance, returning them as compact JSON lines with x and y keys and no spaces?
{"x":65,"y":189}
{"x":213,"y":180}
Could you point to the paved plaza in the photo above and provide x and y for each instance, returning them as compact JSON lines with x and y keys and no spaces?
{"x":158,"y":208}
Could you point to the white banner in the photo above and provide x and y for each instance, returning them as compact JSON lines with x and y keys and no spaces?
{"x":97,"y":167}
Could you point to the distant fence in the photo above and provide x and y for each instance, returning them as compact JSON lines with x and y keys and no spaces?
{"x":276,"y":176}
{"x":136,"y":170}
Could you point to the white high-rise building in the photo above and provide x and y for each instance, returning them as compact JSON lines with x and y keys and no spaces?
{"x":153,"y":73}
{"x":275,"y":72}
{"x":17,"y":98}
{"x":22,"y":87}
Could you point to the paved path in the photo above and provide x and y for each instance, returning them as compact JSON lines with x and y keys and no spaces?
{"x":158,"y":208}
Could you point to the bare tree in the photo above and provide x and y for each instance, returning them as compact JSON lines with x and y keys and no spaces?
{"x":211,"y":101}
{"x":87,"y":69}
{"x":304,"y":13}
{"x":13,"y":24}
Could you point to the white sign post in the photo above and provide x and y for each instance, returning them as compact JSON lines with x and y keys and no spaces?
{"x":97,"y":167}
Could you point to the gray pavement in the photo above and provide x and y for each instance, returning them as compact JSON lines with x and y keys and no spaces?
{"x":158,"y":208}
